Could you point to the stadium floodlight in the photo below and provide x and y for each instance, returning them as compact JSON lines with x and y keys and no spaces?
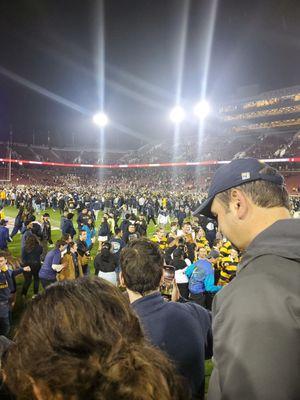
{"x":177,"y":115}
{"x":100,"y":119}
{"x":202,"y":109}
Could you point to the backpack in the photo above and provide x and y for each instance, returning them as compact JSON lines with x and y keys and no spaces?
{"x":196,"y":282}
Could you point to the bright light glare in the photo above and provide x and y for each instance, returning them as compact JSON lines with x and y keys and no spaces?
{"x":177,"y":115}
{"x":100,"y":119}
{"x":202,"y":109}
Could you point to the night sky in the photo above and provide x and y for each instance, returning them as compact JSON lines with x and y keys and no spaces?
{"x":55,"y":44}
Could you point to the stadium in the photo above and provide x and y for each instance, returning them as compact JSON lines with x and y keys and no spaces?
{"x":149,"y":201}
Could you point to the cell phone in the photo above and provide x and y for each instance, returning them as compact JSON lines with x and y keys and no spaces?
{"x":166,"y":287}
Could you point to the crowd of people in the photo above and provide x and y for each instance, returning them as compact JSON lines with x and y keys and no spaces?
{"x":166,"y":258}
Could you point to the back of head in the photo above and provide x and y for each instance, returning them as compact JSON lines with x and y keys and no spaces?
{"x":30,"y":243}
{"x":80,"y":340}
{"x":142,"y":266}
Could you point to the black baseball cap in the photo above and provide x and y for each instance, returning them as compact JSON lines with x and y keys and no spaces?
{"x":236,"y":173}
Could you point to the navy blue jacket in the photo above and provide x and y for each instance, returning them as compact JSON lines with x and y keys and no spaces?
{"x":68,"y":228}
{"x":7,"y":287}
{"x":183,"y":331}
{"x":4,"y":237}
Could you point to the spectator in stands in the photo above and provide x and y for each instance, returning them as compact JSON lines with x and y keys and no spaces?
{"x":95,"y":349}
{"x":251,"y":204}
{"x":183,"y":331}
{"x":31,"y":256}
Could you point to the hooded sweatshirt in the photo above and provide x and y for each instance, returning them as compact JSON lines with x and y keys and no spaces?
{"x":256,"y":321}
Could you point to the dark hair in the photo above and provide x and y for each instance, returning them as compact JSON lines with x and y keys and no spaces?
{"x":263,"y":193}
{"x":117,"y":230}
{"x":31,"y":243}
{"x":81,"y":340}
{"x":70,"y":215}
{"x":3,"y":254}
{"x":142,"y":266}
{"x":65,"y":237}
{"x":60,"y":243}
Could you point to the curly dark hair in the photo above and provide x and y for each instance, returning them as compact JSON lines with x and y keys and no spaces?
{"x":80,"y":340}
{"x":31,"y":243}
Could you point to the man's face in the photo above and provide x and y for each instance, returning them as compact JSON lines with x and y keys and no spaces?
{"x":202,"y":253}
{"x":83,"y":235}
{"x":186,"y":228}
{"x":229,"y":224}
{"x":160,"y":233}
{"x":131,"y":228}
{"x":74,"y":247}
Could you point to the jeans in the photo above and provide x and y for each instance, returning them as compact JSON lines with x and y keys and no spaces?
{"x":4,"y":325}
{"x":34,"y":273}
{"x":198,"y":298}
{"x":47,"y":282}
{"x":85,"y":270}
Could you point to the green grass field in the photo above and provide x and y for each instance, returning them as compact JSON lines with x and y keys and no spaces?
{"x":15,"y":249}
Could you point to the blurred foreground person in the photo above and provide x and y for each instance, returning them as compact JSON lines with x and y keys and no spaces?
{"x":80,"y":340}
{"x":256,"y":316}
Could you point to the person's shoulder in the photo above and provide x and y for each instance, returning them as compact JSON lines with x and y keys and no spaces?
{"x":190,"y":310}
{"x":265,"y":279}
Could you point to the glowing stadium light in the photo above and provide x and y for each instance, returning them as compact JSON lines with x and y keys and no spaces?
{"x":177,"y":115}
{"x":100,"y":119}
{"x":202,"y":109}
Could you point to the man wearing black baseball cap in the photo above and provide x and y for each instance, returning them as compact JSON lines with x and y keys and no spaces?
{"x":256,"y":316}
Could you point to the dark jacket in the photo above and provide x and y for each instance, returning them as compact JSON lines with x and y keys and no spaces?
{"x":68,"y":228}
{"x":4,"y":237}
{"x":7,"y":287}
{"x":46,"y":231}
{"x":33,"y":258}
{"x":53,"y":257}
{"x":105,"y":264}
{"x":256,"y":321}
{"x":183,"y":331}
{"x":104,"y":229}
